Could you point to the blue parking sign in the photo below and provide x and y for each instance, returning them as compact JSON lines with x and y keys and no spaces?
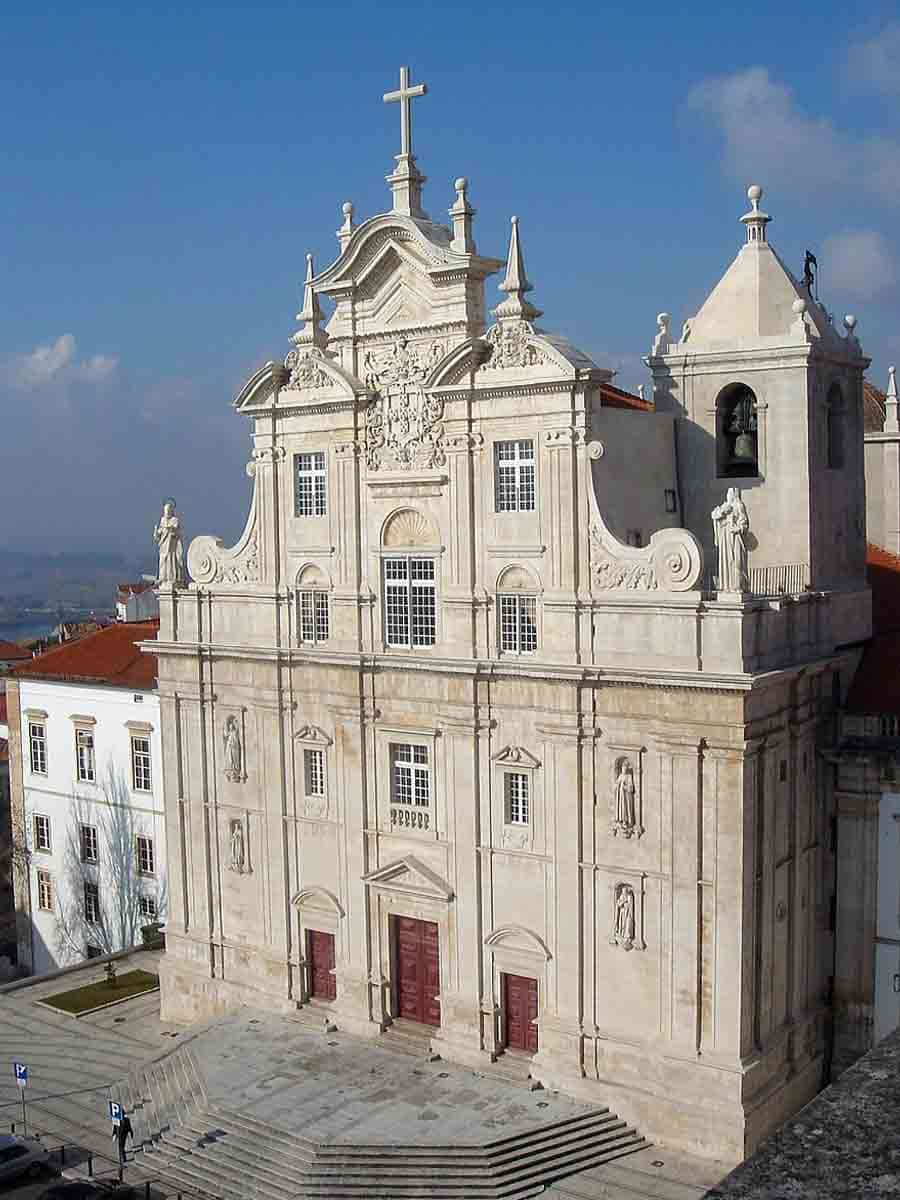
{"x":115,"y":1112}
{"x":21,"y":1073}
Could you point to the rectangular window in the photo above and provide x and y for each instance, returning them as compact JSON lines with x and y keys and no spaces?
{"x":410,"y":775}
{"x":87,"y":836}
{"x":409,"y":601}
{"x":309,"y":484}
{"x":45,"y":891}
{"x":515,"y":787}
{"x":84,"y":755}
{"x":146,"y":864}
{"x":41,"y":832}
{"x":92,"y":904}
{"x":314,"y":617}
{"x":140,"y":764}
{"x":37,"y":737}
{"x":514,"y":476}
{"x":518,"y":624}
{"x":147,"y":907}
{"x":92,"y":951}
{"x":314,"y":772}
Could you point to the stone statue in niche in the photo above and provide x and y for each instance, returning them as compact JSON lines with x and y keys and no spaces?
{"x":234,"y":753}
{"x":731,"y":523}
{"x":623,"y":917}
{"x":167,"y":535}
{"x":625,"y":820}
{"x":238,"y":862}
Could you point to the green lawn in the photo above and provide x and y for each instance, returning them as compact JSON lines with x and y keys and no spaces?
{"x":92,"y":995}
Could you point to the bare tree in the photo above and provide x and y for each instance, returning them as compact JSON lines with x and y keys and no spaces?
{"x":115,"y":873}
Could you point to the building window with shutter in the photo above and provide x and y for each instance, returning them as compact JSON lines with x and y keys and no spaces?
{"x":87,"y":838}
{"x":141,"y":780}
{"x":37,"y":739}
{"x":84,"y":756}
{"x":146,"y":862}
{"x":45,"y":891}
{"x":92,"y":904}
{"x":42,"y":832}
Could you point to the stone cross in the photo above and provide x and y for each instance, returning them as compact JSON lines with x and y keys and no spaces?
{"x":405,"y":94}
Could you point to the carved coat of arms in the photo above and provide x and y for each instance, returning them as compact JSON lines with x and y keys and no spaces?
{"x":404,"y":425}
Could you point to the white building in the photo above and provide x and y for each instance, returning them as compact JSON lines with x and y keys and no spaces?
{"x":87,"y":797}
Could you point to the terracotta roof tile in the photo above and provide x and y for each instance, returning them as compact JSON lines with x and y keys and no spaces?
{"x":876,"y":685}
{"x":12,"y":650}
{"x":614,"y":397}
{"x":135,"y":589}
{"x":110,"y":656}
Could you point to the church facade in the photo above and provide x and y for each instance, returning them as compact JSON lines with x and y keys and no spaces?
{"x":484,"y":726}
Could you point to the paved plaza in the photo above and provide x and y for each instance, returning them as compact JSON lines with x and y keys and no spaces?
{"x":331,"y":1087}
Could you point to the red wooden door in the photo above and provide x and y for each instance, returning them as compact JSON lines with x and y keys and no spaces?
{"x":320,"y":953}
{"x":417,"y":970}
{"x":520,"y":1006}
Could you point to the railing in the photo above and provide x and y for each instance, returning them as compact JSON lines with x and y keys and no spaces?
{"x":784,"y":579}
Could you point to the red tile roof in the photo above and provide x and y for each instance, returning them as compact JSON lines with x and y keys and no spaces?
{"x":614,"y":397}
{"x":876,"y":685}
{"x":12,"y":650}
{"x":136,"y":588}
{"x":874,"y":401}
{"x":110,"y":656}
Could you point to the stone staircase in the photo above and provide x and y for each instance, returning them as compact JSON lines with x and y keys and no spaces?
{"x":162,"y":1095}
{"x":230,"y":1156}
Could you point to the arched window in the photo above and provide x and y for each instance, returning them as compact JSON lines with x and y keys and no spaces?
{"x":312,"y":606}
{"x":834,"y":428}
{"x":736,"y":432}
{"x":517,"y":616}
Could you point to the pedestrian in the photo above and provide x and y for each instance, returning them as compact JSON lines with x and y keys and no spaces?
{"x":122,"y":1131}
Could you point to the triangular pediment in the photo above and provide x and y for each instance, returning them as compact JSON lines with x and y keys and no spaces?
{"x":412,"y":877}
{"x":516,"y":756}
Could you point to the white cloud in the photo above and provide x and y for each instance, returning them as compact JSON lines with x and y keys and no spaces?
{"x":858,"y":263}
{"x":56,"y":364}
{"x":874,"y":63}
{"x":44,"y":362}
{"x":768,"y":139}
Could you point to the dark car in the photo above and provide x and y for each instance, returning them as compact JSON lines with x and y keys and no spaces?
{"x":86,"y":1189}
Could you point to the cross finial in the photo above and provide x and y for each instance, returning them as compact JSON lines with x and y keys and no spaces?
{"x":405,"y":95}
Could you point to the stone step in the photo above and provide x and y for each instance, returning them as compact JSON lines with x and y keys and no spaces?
{"x":237,"y":1154}
{"x":284,"y":1155}
{"x":221,"y":1177}
{"x":235,"y":1122}
{"x":312,"y":1016}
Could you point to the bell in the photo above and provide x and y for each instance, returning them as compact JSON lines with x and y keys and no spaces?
{"x":745,"y":447}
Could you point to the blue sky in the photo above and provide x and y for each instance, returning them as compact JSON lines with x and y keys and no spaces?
{"x":165,"y":168}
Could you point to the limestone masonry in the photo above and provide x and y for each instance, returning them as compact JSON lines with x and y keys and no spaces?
{"x":463,"y":733}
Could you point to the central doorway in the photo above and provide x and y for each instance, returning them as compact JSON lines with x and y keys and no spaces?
{"x":520,"y":1007}
{"x":416,"y":970}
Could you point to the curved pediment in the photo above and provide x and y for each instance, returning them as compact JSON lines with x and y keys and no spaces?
{"x":260,"y":388}
{"x":367,"y":242}
{"x":519,"y":351}
{"x":311,"y":370}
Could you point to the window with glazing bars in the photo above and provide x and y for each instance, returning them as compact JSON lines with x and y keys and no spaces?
{"x":140,"y":764}
{"x":309,"y":484}
{"x":37,"y":737}
{"x":410,"y":775}
{"x":84,"y":755}
{"x":87,"y":835}
{"x":45,"y":891}
{"x":409,"y":602}
{"x":146,"y":864}
{"x":314,"y":772}
{"x":314,"y":616}
{"x":41,"y":832}
{"x":518,"y":624}
{"x":515,"y":787}
{"x":148,"y":907}
{"x":92,"y":903}
{"x":514,"y":476}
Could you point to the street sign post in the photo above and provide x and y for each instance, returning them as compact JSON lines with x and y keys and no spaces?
{"x":21,"y":1073}
{"x":115,"y":1112}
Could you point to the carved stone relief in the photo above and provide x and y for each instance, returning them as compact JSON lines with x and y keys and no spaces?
{"x":626,"y":801}
{"x":404,"y":425}
{"x":511,"y":348}
{"x":516,"y":837}
{"x":239,"y":862}
{"x":306,"y":371}
{"x":672,"y":562}
{"x":624,"y":917}
{"x":234,"y":751}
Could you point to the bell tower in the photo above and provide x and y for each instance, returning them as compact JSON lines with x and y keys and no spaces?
{"x":769,"y":396}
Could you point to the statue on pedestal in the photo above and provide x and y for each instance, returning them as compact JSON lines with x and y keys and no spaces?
{"x":731,"y":522}
{"x":167,"y":535}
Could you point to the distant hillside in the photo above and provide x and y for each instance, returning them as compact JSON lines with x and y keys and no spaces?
{"x":65,"y":582}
